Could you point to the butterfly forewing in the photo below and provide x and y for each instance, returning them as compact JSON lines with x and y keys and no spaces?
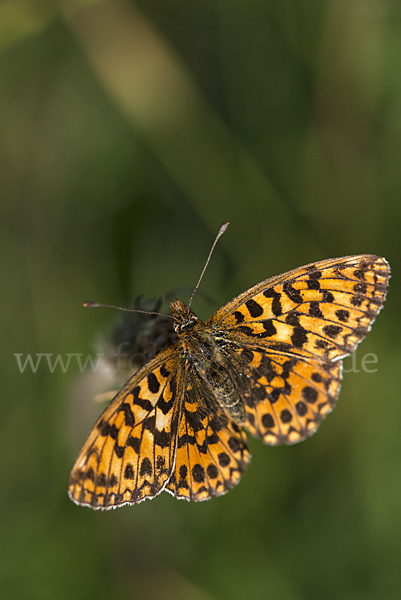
{"x":129,"y":454}
{"x":320,"y":311}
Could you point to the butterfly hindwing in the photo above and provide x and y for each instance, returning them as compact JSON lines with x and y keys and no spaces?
{"x":320,"y":311}
{"x":129,"y":455}
{"x":288,"y":396}
{"x":211,"y":450}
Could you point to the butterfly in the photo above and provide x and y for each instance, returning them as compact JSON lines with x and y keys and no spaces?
{"x":269,"y":361}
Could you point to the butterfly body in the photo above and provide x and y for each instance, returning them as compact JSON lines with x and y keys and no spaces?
{"x":269,"y":361}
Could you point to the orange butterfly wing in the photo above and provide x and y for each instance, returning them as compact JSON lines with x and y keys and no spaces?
{"x":211,"y":450}
{"x":130,"y":453}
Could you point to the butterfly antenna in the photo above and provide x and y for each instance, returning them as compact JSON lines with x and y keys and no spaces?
{"x":90,"y":304}
{"x":220,"y":233}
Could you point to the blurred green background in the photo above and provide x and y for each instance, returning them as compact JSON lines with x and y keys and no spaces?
{"x":128,"y":133}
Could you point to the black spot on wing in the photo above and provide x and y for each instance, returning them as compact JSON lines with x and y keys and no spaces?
{"x":119,"y":450}
{"x":105,"y":429}
{"x":113,"y":480}
{"x":267,"y":421}
{"x":145,"y":404}
{"x":314,"y":310}
{"x":285,"y":416}
{"x":299,"y":337}
{"x":262,"y":334}
{"x":327,"y":296}
{"x":255,"y":310}
{"x":160,"y":462}
{"x":239,"y":316}
{"x":164,"y":406}
{"x":251,"y":416}
{"x":212,"y":471}
{"x":162,"y":438}
{"x":332,"y":331}
{"x":309,"y":394}
{"x":90,"y":474}
{"x":134,"y":443}
{"x":357,"y":300}
{"x":102,"y":480}
{"x":129,"y":472}
{"x":301,"y":408}
{"x":224,"y":459}
{"x":163,"y":371}
{"x":274,"y":395}
{"x":342,"y":315}
{"x":269,"y":327}
{"x":292,"y":318}
{"x":153,"y":383}
{"x":146,"y":467}
{"x":234,"y":444}
{"x":198,"y":473}
{"x":276,"y":304}
{"x":293,"y":294}
{"x":128,"y":414}
{"x":360,"y":288}
{"x":313,"y":284}
{"x":246,"y":330}
{"x":315,"y":275}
